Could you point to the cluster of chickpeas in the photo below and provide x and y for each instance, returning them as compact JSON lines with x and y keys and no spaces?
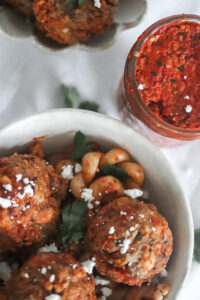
{"x":104,"y":188}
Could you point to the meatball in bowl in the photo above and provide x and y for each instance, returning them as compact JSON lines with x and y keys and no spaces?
{"x":117,"y":203}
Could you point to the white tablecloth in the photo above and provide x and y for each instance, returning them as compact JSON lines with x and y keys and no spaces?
{"x":30,"y":80}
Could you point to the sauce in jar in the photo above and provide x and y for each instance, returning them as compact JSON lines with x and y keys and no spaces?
{"x":161,"y":90}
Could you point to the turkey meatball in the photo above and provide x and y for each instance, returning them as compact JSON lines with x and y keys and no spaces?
{"x":70,"y":24}
{"x":130,"y":240}
{"x":50,"y":276}
{"x":30,"y":195}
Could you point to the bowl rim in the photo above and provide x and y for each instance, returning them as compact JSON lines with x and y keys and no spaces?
{"x":111,"y":122}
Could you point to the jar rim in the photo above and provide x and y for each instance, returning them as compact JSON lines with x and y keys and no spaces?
{"x":136,"y":49}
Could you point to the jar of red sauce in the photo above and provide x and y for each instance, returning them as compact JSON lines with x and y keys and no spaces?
{"x":159,"y":95}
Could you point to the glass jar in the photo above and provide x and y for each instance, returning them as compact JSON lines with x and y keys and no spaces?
{"x":131,"y":106}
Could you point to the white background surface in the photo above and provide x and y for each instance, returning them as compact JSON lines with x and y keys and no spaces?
{"x":30,"y":80}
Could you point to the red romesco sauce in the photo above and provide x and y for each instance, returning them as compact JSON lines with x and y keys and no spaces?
{"x":168,"y":74}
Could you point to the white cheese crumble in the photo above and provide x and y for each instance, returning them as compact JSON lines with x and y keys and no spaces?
{"x":18,"y":177}
{"x":49,"y":248}
{"x":141,"y":86}
{"x":88,"y":266}
{"x":28,"y":190}
{"x":88,"y":197}
{"x":185,"y":77}
{"x":26,"y":275}
{"x":131,"y":229}
{"x":101,"y":281}
{"x":44,"y":270}
{"x":186,"y":97}
{"x":78,"y":168}
{"x":52,"y":278}
{"x":53,"y":297}
{"x":26,"y":180}
{"x":133,"y":193}
{"x":67,"y":172}
{"x":111,"y":230}
{"x":5,"y":203}
{"x":153,"y":229}
{"x":188,"y":108}
{"x":97,"y":3}
{"x":141,"y":216}
{"x":163,"y":273}
{"x":124,"y":246}
{"x":123,"y":213}
{"x":5,"y":271}
{"x":7,"y":187}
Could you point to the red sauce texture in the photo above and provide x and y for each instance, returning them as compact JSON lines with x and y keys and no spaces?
{"x":168,"y":74}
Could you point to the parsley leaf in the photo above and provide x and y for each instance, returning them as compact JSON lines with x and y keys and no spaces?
{"x":71,"y":96}
{"x":117,"y":172}
{"x":74,"y":218}
{"x":81,"y":146}
{"x":197,"y":245}
{"x":89,"y":106}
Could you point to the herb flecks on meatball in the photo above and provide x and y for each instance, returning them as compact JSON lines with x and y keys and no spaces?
{"x":130,"y":240}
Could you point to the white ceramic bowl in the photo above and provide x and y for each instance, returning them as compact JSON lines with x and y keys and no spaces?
{"x":128,"y":14}
{"x":164,"y":190}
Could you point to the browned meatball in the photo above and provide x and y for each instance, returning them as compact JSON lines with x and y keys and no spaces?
{"x":70,"y":24}
{"x":24,"y":6}
{"x":30,"y":195}
{"x":48,"y":274}
{"x":130,"y":240}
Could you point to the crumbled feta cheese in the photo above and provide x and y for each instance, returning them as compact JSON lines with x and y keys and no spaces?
{"x":88,"y":197}
{"x":131,"y":217}
{"x":140,"y":86}
{"x":28,"y":190}
{"x":106,"y":291}
{"x":26,"y":180}
{"x":185,"y":77}
{"x":67,"y":172}
{"x":186,"y":97}
{"x":123,"y":213}
{"x":7,"y":187}
{"x":111,"y":230}
{"x":124,"y":246}
{"x":52,"y":278}
{"x":99,"y":194}
{"x":18,"y":177}
{"x":131,"y":229}
{"x":188,"y":108}
{"x":101,"y":281}
{"x":44,"y":270}
{"x":88,"y":266}
{"x":163,"y":273}
{"x":18,"y":222}
{"x":97,"y":3}
{"x":153,"y":229}
{"x":5,"y":203}
{"x":53,"y":297}
{"x":141,"y":216}
{"x":5,"y":271}
{"x":49,"y":248}
{"x":78,"y":168}
{"x":26,"y":275}
{"x":133,"y":193}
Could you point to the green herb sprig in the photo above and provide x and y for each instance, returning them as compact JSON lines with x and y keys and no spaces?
{"x":117,"y":172}
{"x":72,"y":99}
{"x":197,"y":245}
{"x":74,"y":222}
{"x":80,"y":146}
